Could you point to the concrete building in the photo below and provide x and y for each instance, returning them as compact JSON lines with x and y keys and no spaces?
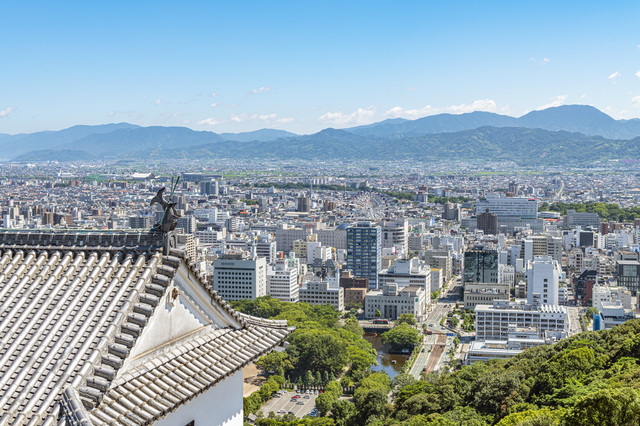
{"x":518,"y":340}
{"x":488,"y":223}
{"x":393,"y":302}
{"x":451,"y":212}
{"x":285,"y":236}
{"x":396,"y":234}
{"x":336,"y":238}
{"x":538,"y":245}
{"x":484,"y":294}
{"x":492,"y":321}
{"x":354,"y":296}
{"x":605,"y":294}
{"x":282,"y":281}
{"x":440,"y":259}
{"x":320,"y":293}
{"x":266,"y":247}
{"x":236,"y":276}
{"x":573,"y":219}
{"x":135,"y":222}
{"x":304,"y":205}
{"x":209,"y":187}
{"x":543,"y":279}
{"x":611,"y":315}
{"x":188,"y":224}
{"x":628,"y":275}
{"x":348,"y":280}
{"x":209,"y":236}
{"x":406,"y":273}
{"x":502,"y":206}
{"x":437,"y":279}
{"x":364,"y":251}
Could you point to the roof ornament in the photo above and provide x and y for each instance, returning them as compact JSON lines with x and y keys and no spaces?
{"x":170,"y":216}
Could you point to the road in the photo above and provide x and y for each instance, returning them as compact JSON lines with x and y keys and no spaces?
{"x":574,"y":320}
{"x":284,"y":403}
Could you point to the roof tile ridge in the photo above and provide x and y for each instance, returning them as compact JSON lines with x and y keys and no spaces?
{"x":102,"y":366}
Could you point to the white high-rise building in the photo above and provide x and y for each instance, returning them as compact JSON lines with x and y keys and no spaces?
{"x":282,"y":281}
{"x":543,"y":281}
{"x":237,"y":276}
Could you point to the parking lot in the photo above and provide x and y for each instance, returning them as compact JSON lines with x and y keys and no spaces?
{"x":284,"y":403}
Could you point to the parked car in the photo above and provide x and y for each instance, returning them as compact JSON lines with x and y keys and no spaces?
{"x":315,"y":392}
{"x":306,"y":397}
{"x":282,"y":411}
{"x":307,"y":391}
{"x":300,"y":403}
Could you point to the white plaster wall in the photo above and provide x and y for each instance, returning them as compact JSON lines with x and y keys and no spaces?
{"x":220,"y":405}
{"x":167,"y":324}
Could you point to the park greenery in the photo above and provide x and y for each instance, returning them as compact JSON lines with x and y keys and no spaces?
{"x":608,"y":212}
{"x":591,"y":378}
{"x":401,"y":337}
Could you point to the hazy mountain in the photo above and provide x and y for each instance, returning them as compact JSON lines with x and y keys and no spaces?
{"x":440,"y":123}
{"x":518,"y":144}
{"x":123,"y":142}
{"x":572,"y":118}
{"x":262,"y":135}
{"x":14,"y":145}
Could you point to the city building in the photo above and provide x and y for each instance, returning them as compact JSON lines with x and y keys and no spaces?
{"x":488,"y":222}
{"x":188,"y":224}
{"x":364,"y":251}
{"x":543,"y":279}
{"x":321,"y":293}
{"x":437,"y":279}
{"x":481,"y":266}
{"x":405,"y":272}
{"x":492,"y":321}
{"x":451,"y":212}
{"x":354,"y":296}
{"x":628,"y":275}
{"x":440,"y":259}
{"x":484,"y":294}
{"x":611,"y":315}
{"x":304,"y":205}
{"x":539,"y":245}
{"x":282,"y":281}
{"x":573,"y":219}
{"x":348,"y":280}
{"x":392,"y":302}
{"x":396,"y":234}
{"x":237,"y":276}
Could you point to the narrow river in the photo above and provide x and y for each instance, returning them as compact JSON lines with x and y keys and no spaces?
{"x":385,"y":359}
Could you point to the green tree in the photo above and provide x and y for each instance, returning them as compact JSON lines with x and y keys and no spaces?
{"x":275,"y":361}
{"x":401,"y":337}
{"x":606,"y":407}
{"x":454,"y":321}
{"x":325,"y":377}
{"x":345,"y":382}
{"x":407,"y":319}
{"x":353,"y":326}
{"x":318,"y":380}
{"x":308,"y":379}
{"x":378,"y":314}
{"x":591,"y":312}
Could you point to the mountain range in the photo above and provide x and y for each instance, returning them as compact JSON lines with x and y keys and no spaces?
{"x":560,"y":134}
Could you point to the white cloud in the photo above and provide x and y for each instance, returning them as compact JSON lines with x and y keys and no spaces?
{"x":411,"y":88}
{"x":360,"y":116}
{"x":557,"y":101}
{"x":214,"y":105}
{"x":158,"y":102}
{"x":613,"y":76}
{"x":583,"y":96}
{"x":638,"y":74}
{"x":545,"y":61}
{"x":636,"y":101}
{"x":260,"y":90}
{"x":112,"y":114}
{"x":210,"y":122}
{"x":7,"y":111}
{"x":186,"y":122}
{"x":478,"y":105}
{"x":244,"y":117}
{"x":213,"y":94}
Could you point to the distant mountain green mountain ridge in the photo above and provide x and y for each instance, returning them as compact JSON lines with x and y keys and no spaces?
{"x":572,"y":118}
{"x":521,"y":145}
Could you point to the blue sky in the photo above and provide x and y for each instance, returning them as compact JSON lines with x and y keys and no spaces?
{"x":305,"y":66}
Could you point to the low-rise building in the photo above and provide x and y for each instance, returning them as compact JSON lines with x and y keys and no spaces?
{"x":393,"y":301}
{"x":611,"y":315}
{"x":492,"y":321}
{"x":354,"y":296}
{"x":484,"y":294}
{"x":320,"y":293}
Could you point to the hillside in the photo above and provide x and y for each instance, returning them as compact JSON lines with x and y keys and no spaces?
{"x":588,"y":379}
{"x":524,"y":146}
{"x":572,"y":118}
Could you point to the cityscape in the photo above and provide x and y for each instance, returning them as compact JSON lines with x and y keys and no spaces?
{"x":320,"y":214}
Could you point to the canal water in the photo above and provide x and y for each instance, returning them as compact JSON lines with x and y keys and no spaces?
{"x":385,"y":359}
